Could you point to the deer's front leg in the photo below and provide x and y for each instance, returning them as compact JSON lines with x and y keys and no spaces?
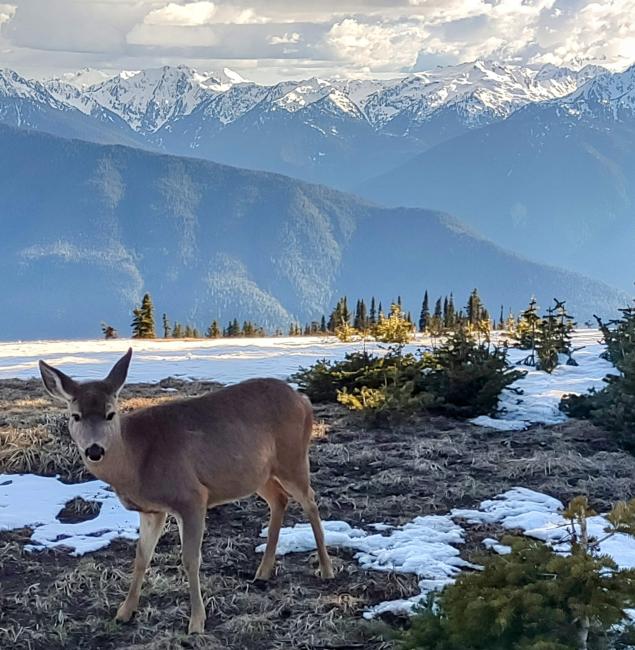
{"x":192,"y":524}
{"x":150,"y":529}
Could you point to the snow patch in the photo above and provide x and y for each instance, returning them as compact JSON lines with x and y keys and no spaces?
{"x":28,"y":501}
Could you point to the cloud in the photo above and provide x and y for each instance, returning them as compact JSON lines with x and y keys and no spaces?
{"x":6,"y":13}
{"x":376,"y":46}
{"x":286,"y":39}
{"x":291,"y":37}
{"x":196,"y":14}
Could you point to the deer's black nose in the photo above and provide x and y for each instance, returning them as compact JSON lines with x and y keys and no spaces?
{"x":95,"y":453}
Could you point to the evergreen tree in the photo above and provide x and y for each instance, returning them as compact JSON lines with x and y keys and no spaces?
{"x":189,"y":332}
{"x":323,"y":329}
{"x":395,"y":328}
{"x":108,"y":331}
{"x":554,"y":337}
{"x":451,"y":318}
{"x":361,"y":317}
{"x":195,"y":333}
{"x":474,"y":309}
{"x":533,"y":598}
{"x":340,"y":315}
{"x":177,"y":331}
{"x":167,"y":330}
{"x":143,"y":321}
{"x":372,"y":315}
{"x":424,"y":317}
{"x":526,"y":333}
{"x":213,"y":331}
{"x":436,"y":322}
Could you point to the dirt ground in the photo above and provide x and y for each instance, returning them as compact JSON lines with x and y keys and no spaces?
{"x":362,"y":474}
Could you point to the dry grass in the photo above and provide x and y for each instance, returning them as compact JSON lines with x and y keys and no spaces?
{"x":361,"y":475}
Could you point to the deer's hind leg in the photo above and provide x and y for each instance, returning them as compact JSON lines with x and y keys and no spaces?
{"x":150,"y":529}
{"x":299,"y":487}
{"x":191,"y":527}
{"x":277,"y":500}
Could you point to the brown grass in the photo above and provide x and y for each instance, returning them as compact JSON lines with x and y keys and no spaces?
{"x":361,"y":475}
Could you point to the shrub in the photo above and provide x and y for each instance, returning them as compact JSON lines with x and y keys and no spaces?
{"x":462,"y":377}
{"x":394,"y":328}
{"x":612,"y":407}
{"x":533,"y":598}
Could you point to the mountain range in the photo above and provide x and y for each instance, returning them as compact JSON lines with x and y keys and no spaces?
{"x":87,"y":228}
{"x":339,"y":132}
{"x":555,"y":181}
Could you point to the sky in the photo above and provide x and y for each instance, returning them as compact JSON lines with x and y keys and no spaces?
{"x":270,"y":40}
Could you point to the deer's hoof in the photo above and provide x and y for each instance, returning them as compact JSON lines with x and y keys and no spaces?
{"x":327,"y":572}
{"x":124,"y":613}
{"x":196,"y":626}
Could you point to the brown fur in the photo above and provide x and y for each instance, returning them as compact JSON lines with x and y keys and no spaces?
{"x":185,"y":456}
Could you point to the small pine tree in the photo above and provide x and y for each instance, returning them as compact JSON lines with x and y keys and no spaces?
{"x":108,"y":331}
{"x":177,"y":331}
{"x":436,"y":322}
{"x":372,"y":314}
{"x":143,"y":321}
{"x":323,"y":329}
{"x":554,"y":338}
{"x":395,"y":328}
{"x":526,"y":332}
{"x":474,"y":309}
{"x":213,"y":331}
{"x":167,"y":330}
{"x":424,"y":316}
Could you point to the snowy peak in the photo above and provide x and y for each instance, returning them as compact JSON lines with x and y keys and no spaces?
{"x":608,"y":95}
{"x":468,"y":95}
{"x":81,"y":79}
{"x":480,"y":91}
{"x":13,"y":85}
{"x":304,"y":93}
{"x":147,"y":99}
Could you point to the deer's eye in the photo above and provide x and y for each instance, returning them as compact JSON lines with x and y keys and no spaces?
{"x":76,"y":416}
{"x":110,"y":415}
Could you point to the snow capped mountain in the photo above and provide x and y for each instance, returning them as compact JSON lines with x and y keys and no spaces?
{"x":147,"y":99}
{"x":14,"y":86}
{"x":480,"y":92}
{"x":474,"y":94}
{"x":316,"y":129}
{"x":610,"y":96}
{"x":82,"y":78}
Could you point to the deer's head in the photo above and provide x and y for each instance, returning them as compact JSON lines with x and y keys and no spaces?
{"x":92,"y":406}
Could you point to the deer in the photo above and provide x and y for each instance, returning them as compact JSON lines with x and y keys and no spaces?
{"x":185,"y":456}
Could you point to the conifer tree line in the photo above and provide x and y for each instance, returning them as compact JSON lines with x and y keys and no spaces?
{"x":544,"y":336}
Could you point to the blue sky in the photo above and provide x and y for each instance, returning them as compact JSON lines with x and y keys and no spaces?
{"x":268,"y":40}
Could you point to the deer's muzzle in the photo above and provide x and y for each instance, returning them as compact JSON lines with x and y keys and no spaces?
{"x":95,"y":453}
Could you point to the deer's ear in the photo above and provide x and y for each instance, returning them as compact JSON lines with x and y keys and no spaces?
{"x":117,"y":376}
{"x":57,"y":384}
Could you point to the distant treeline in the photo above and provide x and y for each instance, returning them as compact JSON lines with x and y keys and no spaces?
{"x":367,"y":319}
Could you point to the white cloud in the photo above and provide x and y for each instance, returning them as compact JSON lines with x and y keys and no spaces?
{"x":334,"y":36}
{"x":196,"y":14}
{"x":286,"y":39}
{"x":6,"y":13}
{"x":376,"y":46}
